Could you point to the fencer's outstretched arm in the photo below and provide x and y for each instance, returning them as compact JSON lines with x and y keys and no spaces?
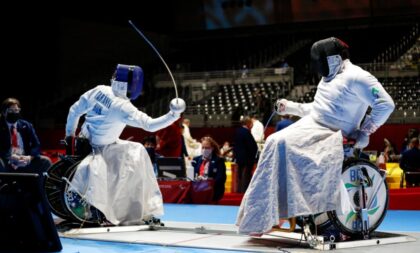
{"x":139,"y":119}
{"x":284,"y":106}
{"x":154,"y":124}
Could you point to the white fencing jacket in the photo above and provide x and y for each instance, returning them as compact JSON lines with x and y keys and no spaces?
{"x":299,"y":170}
{"x":118,"y":177}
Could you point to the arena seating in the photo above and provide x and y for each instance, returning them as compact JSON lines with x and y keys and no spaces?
{"x":243,"y":95}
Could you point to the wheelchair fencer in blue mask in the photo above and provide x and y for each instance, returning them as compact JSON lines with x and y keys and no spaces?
{"x":117,"y":177}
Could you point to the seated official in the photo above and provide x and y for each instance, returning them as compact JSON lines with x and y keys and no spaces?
{"x":210,"y":165}
{"x":410,"y":161}
{"x":20,"y":148}
{"x":149,"y":142}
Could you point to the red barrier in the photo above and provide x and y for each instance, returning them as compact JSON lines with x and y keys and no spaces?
{"x":175,"y":191}
{"x":399,"y":199}
{"x":404,"y":199}
{"x":50,"y":138}
{"x":202,"y":191}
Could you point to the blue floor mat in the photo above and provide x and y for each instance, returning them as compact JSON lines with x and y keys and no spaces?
{"x":395,"y":221}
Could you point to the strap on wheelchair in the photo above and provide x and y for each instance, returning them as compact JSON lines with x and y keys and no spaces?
{"x":366,"y":179}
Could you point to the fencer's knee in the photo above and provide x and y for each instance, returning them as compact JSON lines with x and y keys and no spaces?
{"x":45,"y":160}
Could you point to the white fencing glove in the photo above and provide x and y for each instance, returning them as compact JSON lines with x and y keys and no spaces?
{"x":368,"y":126}
{"x":284,"y":106}
{"x":177,"y":105}
{"x":366,"y":129}
{"x":362,"y":139}
{"x":280,"y":106}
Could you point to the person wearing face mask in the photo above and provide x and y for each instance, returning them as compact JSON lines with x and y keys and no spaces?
{"x":300,"y":167}
{"x":20,"y":149}
{"x":117,"y":178}
{"x":149,"y":142}
{"x":211,"y":165}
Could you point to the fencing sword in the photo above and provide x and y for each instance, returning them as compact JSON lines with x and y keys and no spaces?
{"x":157,"y":52}
{"x":265,"y":128}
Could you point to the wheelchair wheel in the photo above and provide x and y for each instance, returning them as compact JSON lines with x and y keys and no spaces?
{"x":53,"y":185}
{"x":321,"y":220}
{"x":350,"y":223}
{"x":76,"y":206}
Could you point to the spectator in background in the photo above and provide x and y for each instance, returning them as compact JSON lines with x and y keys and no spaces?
{"x":285,"y":121}
{"x":283,"y":66}
{"x":257,"y":132}
{"x":244,"y":73}
{"x":20,"y":149}
{"x":149,"y":142}
{"x":192,"y":145}
{"x":410,"y":161}
{"x":245,"y":149}
{"x":226,"y":151}
{"x":412,"y":133}
{"x":390,"y":152}
{"x":210,"y":165}
{"x":283,"y":63}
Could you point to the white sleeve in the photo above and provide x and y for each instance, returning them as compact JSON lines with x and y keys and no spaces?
{"x":257,"y":132}
{"x":187,"y":135}
{"x":298,"y":109}
{"x":133,"y":117}
{"x":371,"y":92}
{"x":155,"y":124}
{"x":76,"y":111}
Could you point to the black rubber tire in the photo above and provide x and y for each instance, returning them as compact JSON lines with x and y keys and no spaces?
{"x":320,"y":227}
{"x":53,"y":185}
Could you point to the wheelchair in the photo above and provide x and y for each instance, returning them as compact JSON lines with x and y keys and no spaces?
{"x":64,"y":203}
{"x":68,"y":204}
{"x":368,"y":197}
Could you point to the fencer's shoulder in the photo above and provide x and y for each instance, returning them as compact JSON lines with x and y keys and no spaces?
{"x":350,"y":67}
{"x":123,"y":105}
{"x":104,"y":89}
{"x":354,"y":69}
{"x":99,"y":87}
{"x":95,"y":90}
{"x":105,"y":93}
{"x":107,"y":90}
{"x":355,"y":72}
{"x":24,"y":123}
